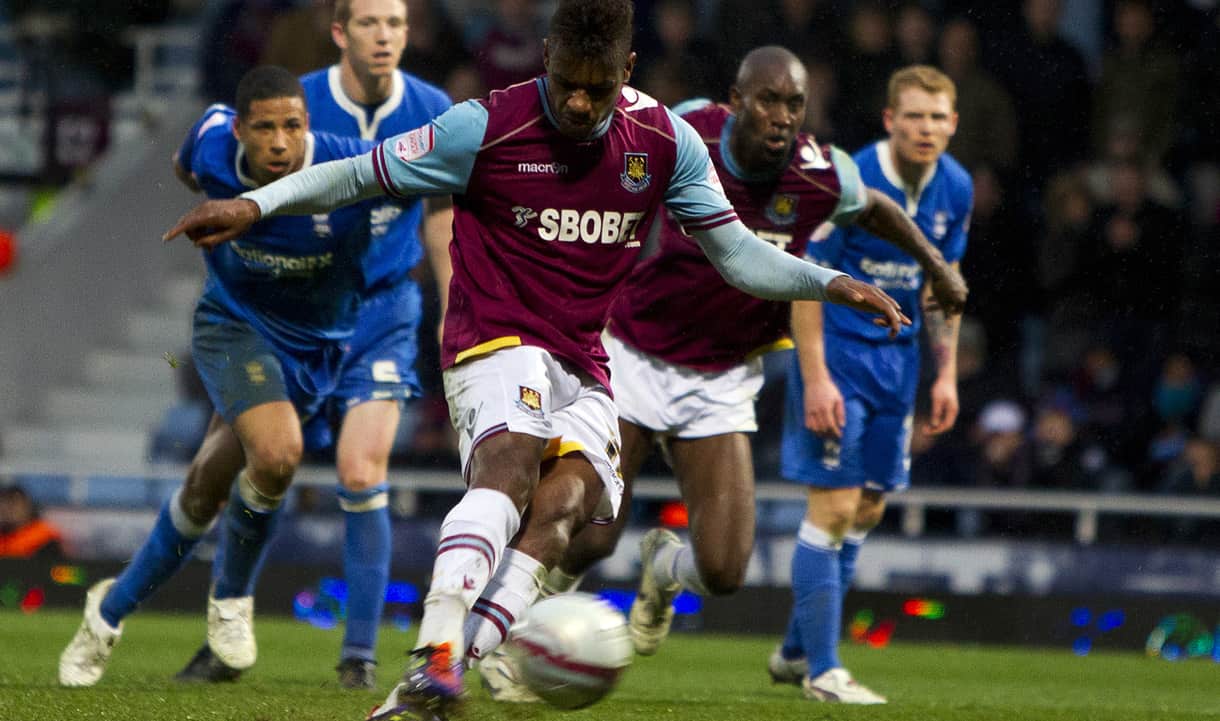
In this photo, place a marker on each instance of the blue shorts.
(878, 382)
(242, 368)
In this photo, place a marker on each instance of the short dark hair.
(264, 83)
(591, 29)
(343, 11)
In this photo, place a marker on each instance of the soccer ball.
(572, 647)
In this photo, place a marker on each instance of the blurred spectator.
(234, 42)
(1178, 391)
(1139, 80)
(464, 83)
(1175, 399)
(863, 71)
(511, 50)
(987, 124)
(1123, 143)
(1049, 85)
(673, 64)
(23, 532)
(1209, 415)
(1070, 218)
(299, 39)
(1131, 270)
(434, 45)
(1100, 388)
(998, 267)
(806, 27)
(822, 92)
(1196, 472)
(1003, 458)
(1062, 458)
(915, 36)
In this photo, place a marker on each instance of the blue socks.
(173, 538)
(818, 603)
(366, 567)
(244, 533)
(847, 558)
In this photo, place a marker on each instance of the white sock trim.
(255, 498)
(182, 522)
(558, 581)
(375, 502)
(686, 571)
(815, 537)
(855, 537)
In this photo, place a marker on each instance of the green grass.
(693, 678)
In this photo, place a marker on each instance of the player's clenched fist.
(848, 291)
(216, 221)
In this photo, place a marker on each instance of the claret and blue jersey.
(940, 206)
(547, 228)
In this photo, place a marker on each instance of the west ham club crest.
(635, 177)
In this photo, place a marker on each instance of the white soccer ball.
(573, 647)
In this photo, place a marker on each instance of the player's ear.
(546, 54)
(629, 67)
(236, 127)
(338, 36)
(736, 100)
(952, 124)
(887, 118)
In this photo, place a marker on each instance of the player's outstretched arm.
(867, 297)
(883, 218)
(213, 222)
(757, 267)
(319, 189)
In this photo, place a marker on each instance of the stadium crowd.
(1088, 355)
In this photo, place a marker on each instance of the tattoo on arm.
(942, 334)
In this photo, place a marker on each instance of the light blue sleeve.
(759, 268)
(694, 194)
(853, 195)
(433, 159)
(690, 106)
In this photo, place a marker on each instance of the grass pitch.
(692, 678)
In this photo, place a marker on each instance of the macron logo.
(546, 168)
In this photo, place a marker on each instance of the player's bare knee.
(360, 476)
(274, 463)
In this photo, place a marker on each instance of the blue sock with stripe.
(818, 599)
(167, 548)
(366, 567)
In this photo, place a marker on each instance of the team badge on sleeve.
(414, 144)
(635, 177)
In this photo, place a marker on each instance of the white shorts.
(527, 390)
(681, 402)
